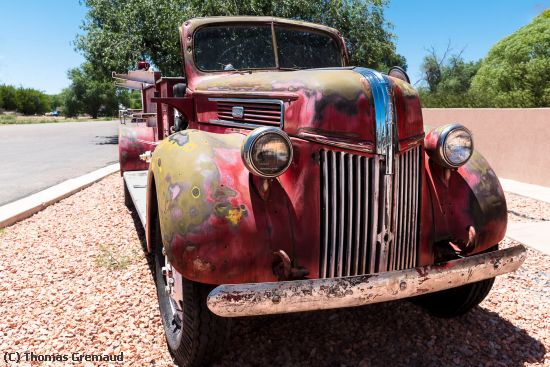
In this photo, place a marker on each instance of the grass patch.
(8, 119)
(13, 119)
(2, 231)
(112, 259)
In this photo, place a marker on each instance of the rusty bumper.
(251, 299)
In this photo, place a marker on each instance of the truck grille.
(407, 186)
(256, 112)
(352, 204)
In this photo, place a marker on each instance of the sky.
(470, 26)
(36, 36)
(36, 42)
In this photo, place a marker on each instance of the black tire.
(127, 197)
(198, 339)
(456, 301)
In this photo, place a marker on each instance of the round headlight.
(458, 147)
(449, 145)
(267, 152)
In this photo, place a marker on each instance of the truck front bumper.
(251, 299)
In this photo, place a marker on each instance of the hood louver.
(249, 112)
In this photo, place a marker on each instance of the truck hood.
(334, 105)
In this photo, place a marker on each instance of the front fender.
(205, 202)
(468, 197)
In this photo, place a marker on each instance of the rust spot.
(202, 265)
(234, 297)
(422, 272)
(224, 193)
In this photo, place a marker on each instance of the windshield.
(238, 47)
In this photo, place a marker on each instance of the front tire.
(195, 336)
(457, 301)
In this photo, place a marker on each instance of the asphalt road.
(36, 156)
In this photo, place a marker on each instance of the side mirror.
(399, 73)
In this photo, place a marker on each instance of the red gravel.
(61, 292)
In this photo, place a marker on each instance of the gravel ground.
(523, 209)
(73, 278)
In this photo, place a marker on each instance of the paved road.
(36, 156)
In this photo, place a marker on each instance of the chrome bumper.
(251, 299)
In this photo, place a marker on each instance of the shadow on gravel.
(388, 334)
(107, 140)
(141, 235)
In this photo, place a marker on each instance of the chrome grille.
(351, 207)
(256, 112)
(407, 188)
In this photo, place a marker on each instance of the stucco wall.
(515, 141)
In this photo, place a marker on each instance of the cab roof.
(195, 23)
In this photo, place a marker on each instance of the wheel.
(195, 336)
(456, 301)
(127, 197)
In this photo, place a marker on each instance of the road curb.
(32, 204)
(536, 192)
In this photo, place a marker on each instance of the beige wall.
(515, 141)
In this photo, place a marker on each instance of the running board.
(136, 182)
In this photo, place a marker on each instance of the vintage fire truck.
(273, 177)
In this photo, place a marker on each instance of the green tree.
(89, 93)
(130, 98)
(31, 101)
(448, 80)
(56, 101)
(516, 72)
(70, 106)
(118, 33)
(9, 97)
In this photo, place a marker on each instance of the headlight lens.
(458, 147)
(267, 152)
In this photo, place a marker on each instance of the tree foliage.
(448, 80)
(118, 33)
(56, 101)
(32, 102)
(27, 101)
(89, 93)
(8, 95)
(516, 72)
(132, 99)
